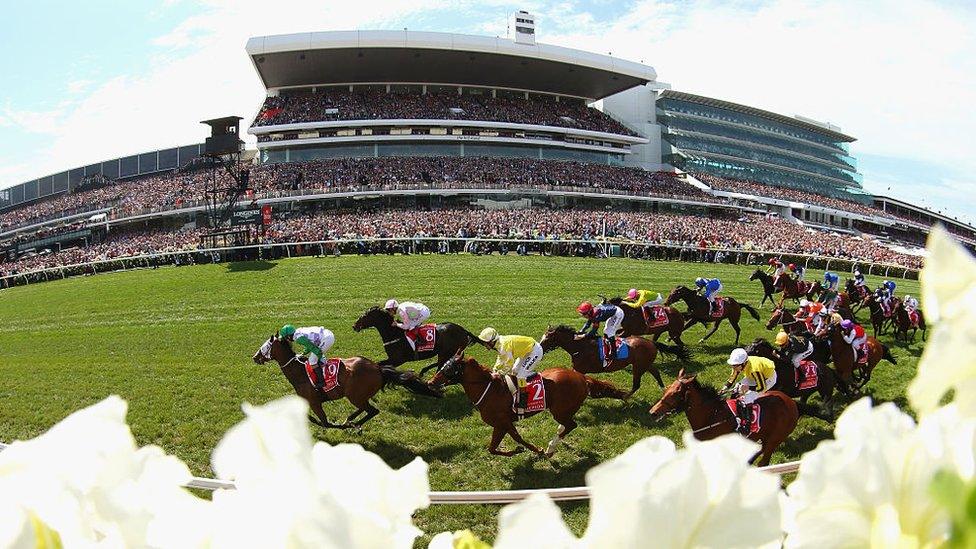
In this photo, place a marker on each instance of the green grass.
(176, 343)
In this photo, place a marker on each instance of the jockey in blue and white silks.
(711, 286)
(831, 282)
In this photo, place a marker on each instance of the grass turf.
(176, 343)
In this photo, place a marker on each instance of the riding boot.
(745, 418)
(523, 400)
(609, 352)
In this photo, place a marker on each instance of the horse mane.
(563, 328)
(710, 393)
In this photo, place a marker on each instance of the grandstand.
(376, 124)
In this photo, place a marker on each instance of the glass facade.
(727, 142)
(314, 152)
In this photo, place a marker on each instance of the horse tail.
(752, 311)
(407, 380)
(601, 389)
(886, 354)
(677, 350)
(471, 337)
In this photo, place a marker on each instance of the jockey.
(758, 376)
(796, 348)
(412, 315)
(911, 304)
(854, 335)
(803, 312)
(886, 292)
(778, 269)
(314, 341)
(517, 355)
(711, 286)
(611, 314)
(859, 278)
(829, 295)
(798, 270)
(641, 298)
(814, 317)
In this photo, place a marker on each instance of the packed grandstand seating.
(446, 104)
(745, 233)
(761, 189)
(176, 189)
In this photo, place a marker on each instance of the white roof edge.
(259, 45)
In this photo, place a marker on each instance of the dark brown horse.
(710, 417)
(856, 295)
(786, 381)
(769, 289)
(784, 319)
(565, 392)
(853, 376)
(450, 339)
(698, 310)
(635, 323)
(584, 352)
(903, 323)
(878, 319)
(359, 379)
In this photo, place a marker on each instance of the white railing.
(496, 497)
(605, 247)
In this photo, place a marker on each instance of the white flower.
(290, 493)
(949, 300)
(533, 522)
(85, 482)
(705, 495)
(871, 484)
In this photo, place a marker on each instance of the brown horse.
(878, 318)
(710, 417)
(852, 376)
(565, 392)
(769, 289)
(903, 323)
(584, 353)
(359, 379)
(698, 311)
(635, 323)
(857, 295)
(784, 319)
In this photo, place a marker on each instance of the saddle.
(325, 377)
(719, 310)
(534, 393)
(655, 316)
(806, 375)
(914, 318)
(422, 338)
(621, 350)
(747, 414)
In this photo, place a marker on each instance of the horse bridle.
(267, 355)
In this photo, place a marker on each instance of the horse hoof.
(517, 450)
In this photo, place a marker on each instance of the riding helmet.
(738, 356)
(782, 338)
(286, 331)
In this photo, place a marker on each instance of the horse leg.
(371, 412)
(563, 430)
(425, 369)
(712, 331)
(513, 432)
(497, 434)
(636, 383)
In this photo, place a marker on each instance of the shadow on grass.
(454, 405)
(541, 472)
(797, 446)
(250, 266)
(397, 456)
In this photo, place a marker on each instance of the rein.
(716, 424)
(484, 394)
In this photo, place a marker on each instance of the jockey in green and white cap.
(314, 341)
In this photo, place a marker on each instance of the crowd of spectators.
(445, 104)
(178, 188)
(751, 233)
(793, 195)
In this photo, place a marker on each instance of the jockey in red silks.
(855, 336)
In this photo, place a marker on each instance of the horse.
(710, 417)
(359, 379)
(878, 318)
(786, 381)
(785, 320)
(857, 295)
(769, 289)
(902, 323)
(698, 310)
(851, 376)
(636, 324)
(584, 353)
(565, 392)
(450, 339)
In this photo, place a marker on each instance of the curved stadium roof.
(346, 57)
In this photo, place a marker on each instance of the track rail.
(496, 497)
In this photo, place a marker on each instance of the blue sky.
(87, 81)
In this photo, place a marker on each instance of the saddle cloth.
(325, 375)
(719, 307)
(809, 369)
(535, 393)
(655, 316)
(914, 317)
(622, 352)
(423, 338)
(754, 408)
